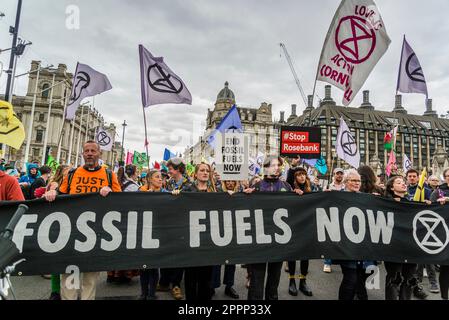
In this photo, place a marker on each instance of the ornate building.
(424, 139)
(72, 134)
(257, 124)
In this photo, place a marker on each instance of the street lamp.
(124, 125)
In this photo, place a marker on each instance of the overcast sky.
(208, 42)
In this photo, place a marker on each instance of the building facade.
(63, 135)
(257, 124)
(423, 138)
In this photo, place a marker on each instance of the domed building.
(257, 123)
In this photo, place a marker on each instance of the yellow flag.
(420, 190)
(12, 132)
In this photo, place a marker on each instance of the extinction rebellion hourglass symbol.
(160, 81)
(361, 33)
(348, 144)
(103, 139)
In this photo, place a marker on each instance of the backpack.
(26, 190)
(127, 184)
(72, 173)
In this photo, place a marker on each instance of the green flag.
(190, 169)
(140, 159)
(51, 162)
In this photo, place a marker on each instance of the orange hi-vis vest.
(81, 181)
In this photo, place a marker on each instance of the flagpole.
(87, 123)
(400, 66)
(329, 32)
(79, 137)
(72, 132)
(30, 128)
(47, 129)
(332, 168)
(58, 155)
(146, 136)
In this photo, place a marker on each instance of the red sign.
(295, 136)
(301, 148)
(303, 142)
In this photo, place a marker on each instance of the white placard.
(232, 156)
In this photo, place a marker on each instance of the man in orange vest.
(91, 178)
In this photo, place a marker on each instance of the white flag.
(104, 139)
(87, 82)
(159, 84)
(406, 163)
(253, 167)
(346, 146)
(355, 42)
(411, 76)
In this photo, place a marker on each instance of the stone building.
(72, 134)
(257, 124)
(423, 138)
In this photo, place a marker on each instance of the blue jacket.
(28, 178)
(411, 190)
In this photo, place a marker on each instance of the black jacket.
(442, 190)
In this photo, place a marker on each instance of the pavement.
(324, 286)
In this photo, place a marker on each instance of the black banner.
(146, 230)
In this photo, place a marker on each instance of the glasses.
(355, 181)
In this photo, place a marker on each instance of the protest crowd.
(345, 62)
(278, 175)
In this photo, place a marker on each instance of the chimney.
(309, 101)
(366, 103)
(282, 120)
(366, 96)
(294, 110)
(398, 105)
(328, 92)
(429, 109)
(429, 105)
(328, 97)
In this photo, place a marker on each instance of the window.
(45, 91)
(334, 132)
(426, 124)
(36, 152)
(39, 135)
(393, 121)
(41, 117)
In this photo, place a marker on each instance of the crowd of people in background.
(402, 280)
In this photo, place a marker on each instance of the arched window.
(45, 91)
